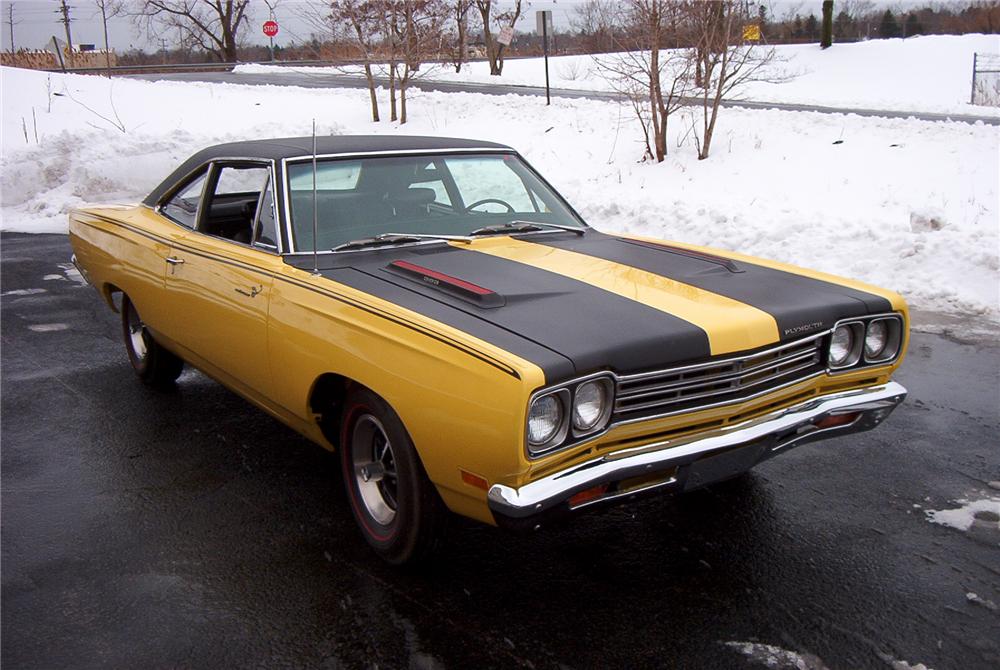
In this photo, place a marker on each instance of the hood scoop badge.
(453, 286)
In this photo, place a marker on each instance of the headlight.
(591, 404)
(545, 417)
(876, 339)
(841, 345)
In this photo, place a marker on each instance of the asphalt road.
(144, 529)
(306, 79)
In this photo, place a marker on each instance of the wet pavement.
(144, 529)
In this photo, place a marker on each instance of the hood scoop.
(452, 286)
(726, 263)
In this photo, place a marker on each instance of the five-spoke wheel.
(395, 504)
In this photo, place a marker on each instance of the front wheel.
(395, 504)
(155, 365)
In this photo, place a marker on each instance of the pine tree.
(913, 26)
(844, 26)
(889, 27)
(812, 27)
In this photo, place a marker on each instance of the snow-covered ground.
(919, 74)
(906, 204)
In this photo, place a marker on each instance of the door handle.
(173, 262)
(252, 292)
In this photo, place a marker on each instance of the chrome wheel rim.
(137, 334)
(374, 468)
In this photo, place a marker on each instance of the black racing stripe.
(798, 304)
(563, 325)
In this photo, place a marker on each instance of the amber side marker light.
(475, 480)
(837, 420)
(588, 495)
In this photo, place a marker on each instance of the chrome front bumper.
(693, 461)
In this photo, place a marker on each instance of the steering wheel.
(484, 201)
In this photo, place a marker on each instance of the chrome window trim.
(209, 166)
(176, 188)
(287, 207)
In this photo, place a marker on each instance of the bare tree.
(597, 22)
(108, 9)
(356, 22)
(653, 80)
(460, 13)
(727, 61)
(494, 49)
(212, 25)
(414, 34)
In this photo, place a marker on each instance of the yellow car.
(436, 312)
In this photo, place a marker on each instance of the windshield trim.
(286, 205)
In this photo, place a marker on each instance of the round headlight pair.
(878, 340)
(586, 410)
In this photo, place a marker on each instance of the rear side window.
(183, 207)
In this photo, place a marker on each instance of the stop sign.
(270, 28)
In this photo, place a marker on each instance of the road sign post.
(544, 20)
(270, 29)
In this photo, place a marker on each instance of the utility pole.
(10, 22)
(65, 20)
(163, 48)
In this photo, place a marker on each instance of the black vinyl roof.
(289, 147)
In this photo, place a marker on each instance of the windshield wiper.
(396, 238)
(524, 227)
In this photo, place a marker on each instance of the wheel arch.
(108, 292)
(326, 401)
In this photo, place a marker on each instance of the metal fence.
(985, 80)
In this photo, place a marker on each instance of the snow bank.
(964, 516)
(919, 74)
(905, 204)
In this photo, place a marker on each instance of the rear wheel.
(155, 365)
(395, 504)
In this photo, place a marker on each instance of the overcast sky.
(36, 21)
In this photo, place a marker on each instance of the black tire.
(152, 363)
(395, 505)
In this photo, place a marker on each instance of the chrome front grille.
(717, 382)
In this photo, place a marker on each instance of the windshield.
(426, 195)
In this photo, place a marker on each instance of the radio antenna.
(315, 210)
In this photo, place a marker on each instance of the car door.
(219, 276)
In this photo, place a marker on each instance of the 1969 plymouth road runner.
(434, 311)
